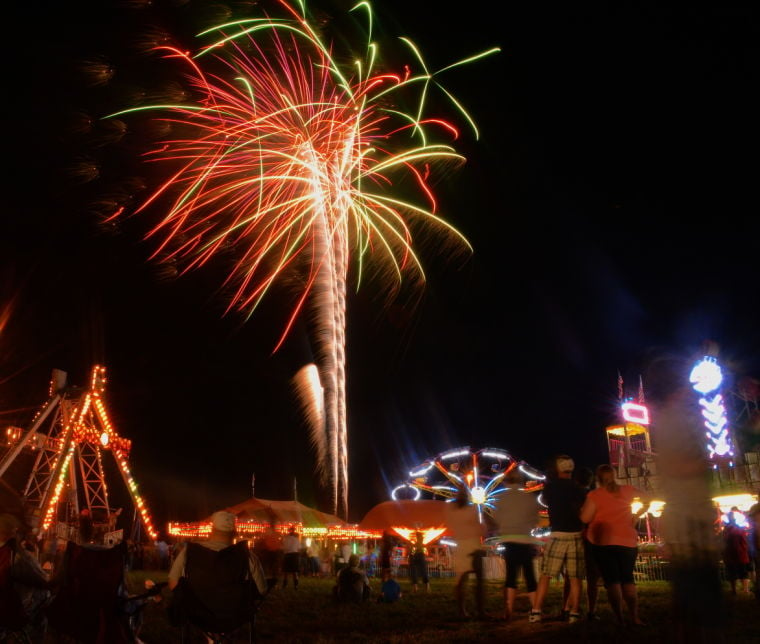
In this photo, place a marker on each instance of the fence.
(648, 567)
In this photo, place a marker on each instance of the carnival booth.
(323, 536)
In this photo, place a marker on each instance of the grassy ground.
(309, 615)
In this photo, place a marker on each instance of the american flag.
(620, 386)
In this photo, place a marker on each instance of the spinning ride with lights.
(67, 441)
(478, 474)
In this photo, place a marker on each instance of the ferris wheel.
(477, 473)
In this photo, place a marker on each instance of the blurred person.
(516, 516)
(563, 554)
(345, 553)
(325, 560)
(418, 568)
(736, 558)
(25, 589)
(291, 546)
(614, 540)
(388, 543)
(352, 584)
(753, 543)
(390, 590)
(162, 553)
(584, 477)
(314, 563)
(369, 561)
(467, 558)
(268, 548)
(86, 527)
(304, 563)
(687, 520)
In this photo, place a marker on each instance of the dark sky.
(611, 204)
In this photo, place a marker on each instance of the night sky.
(611, 204)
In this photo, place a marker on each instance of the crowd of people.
(593, 538)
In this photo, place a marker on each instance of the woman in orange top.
(613, 537)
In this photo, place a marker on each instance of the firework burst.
(292, 161)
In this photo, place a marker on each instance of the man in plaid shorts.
(564, 551)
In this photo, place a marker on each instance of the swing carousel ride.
(477, 473)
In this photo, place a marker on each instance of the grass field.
(310, 615)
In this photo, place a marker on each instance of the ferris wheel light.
(104, 439)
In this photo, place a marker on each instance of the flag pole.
(626, 443)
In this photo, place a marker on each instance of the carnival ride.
(476, 473)
(734, 472)
(66, 443)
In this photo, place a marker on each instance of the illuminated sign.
(706, 378)
(635, 413)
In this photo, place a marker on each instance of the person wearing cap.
(564, 552)
(222, 536)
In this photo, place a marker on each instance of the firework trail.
(311, 396)
(290, 161)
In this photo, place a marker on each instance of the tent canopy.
(424, 513)
(283, 512)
